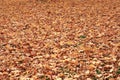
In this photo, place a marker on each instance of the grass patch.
(118, 71)
(98, 71)
(82, 37)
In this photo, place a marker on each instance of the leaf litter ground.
(60, 40)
